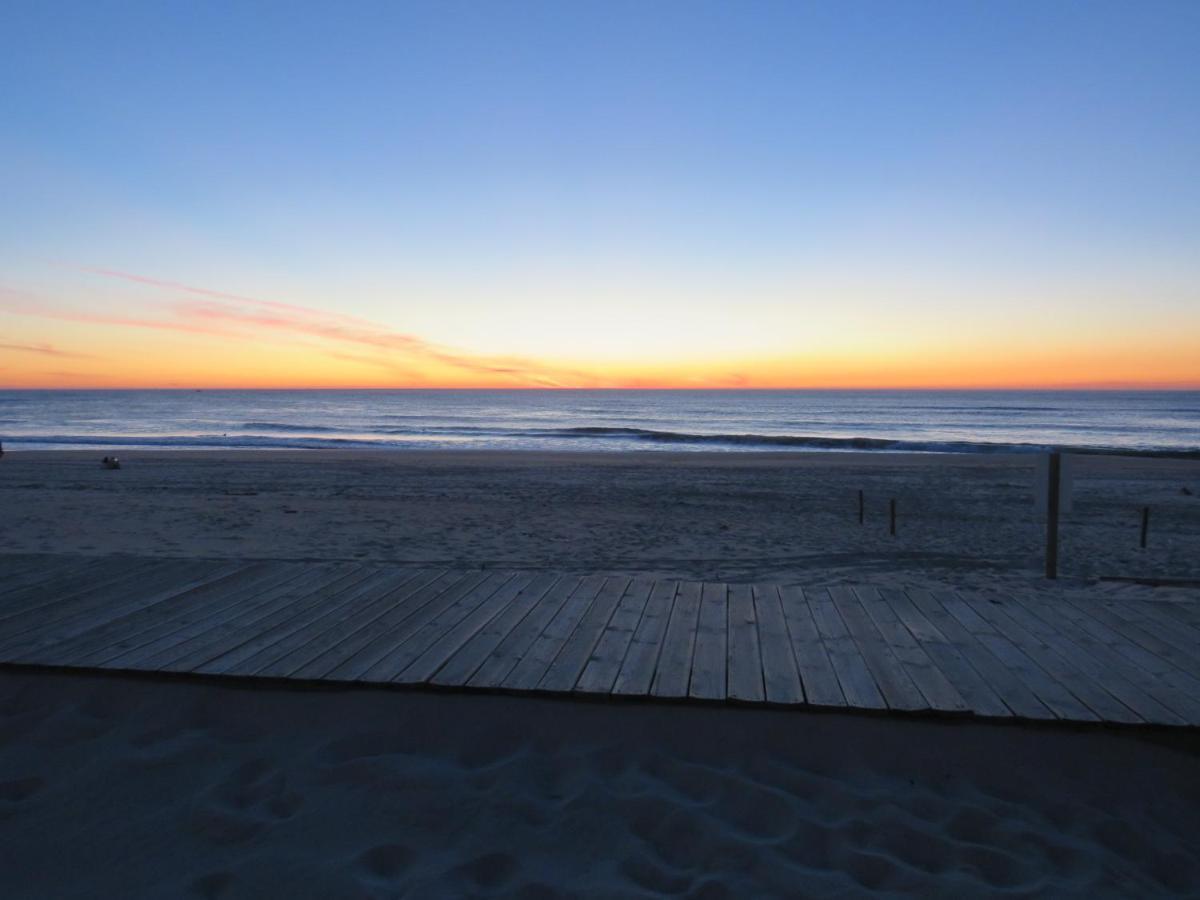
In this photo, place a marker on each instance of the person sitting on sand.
(110, 462)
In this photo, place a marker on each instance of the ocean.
(1143, 422)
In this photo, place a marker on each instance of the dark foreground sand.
(125, 788)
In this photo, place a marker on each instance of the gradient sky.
(792, 194)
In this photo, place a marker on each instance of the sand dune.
(116, 787)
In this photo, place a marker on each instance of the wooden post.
(1145, 524)
(1052, 483)
(860, 507)
(892, 523)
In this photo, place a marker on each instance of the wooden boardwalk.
(880, 649)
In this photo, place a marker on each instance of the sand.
(118, 787)
(130, 788)
(968, 520)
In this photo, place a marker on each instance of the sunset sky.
(605, 194)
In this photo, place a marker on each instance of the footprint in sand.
(385, 864)
(14, 794)
(490, 870)
(254, 797)
(18, 790)
(213, 885)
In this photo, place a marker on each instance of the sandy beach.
(142, 787)
(966, 519)
(115, 787)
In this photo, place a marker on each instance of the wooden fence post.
(1052, 490)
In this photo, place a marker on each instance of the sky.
(600, 194)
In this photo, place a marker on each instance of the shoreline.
(640, 454)
(715, 444)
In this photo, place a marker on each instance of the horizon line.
(1162, 386)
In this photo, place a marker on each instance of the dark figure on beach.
(110, 462)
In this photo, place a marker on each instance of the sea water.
(1152, 422)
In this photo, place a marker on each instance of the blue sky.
(506, 177)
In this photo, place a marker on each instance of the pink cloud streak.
(43, 350)
(230, 315)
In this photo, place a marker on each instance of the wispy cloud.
(226, 314)
(42, 350)
(203, 292)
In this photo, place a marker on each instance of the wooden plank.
(1166, 642)
(1057, 698)
(853, 674)
(1174, 686)
(1057, 665)
(501, 661)
(1130, 684)
(891, 677)
(69, 620)
(321, 636)
(16, 564)
(781, 678)
(346, 653)
(1015, 692)
(1185, 611)
(209, 640)
(414, 644)
(818, 678)
(41, 604)
(221, 644)
(452, 639)
(563, 673)
(465, 661)
(42, 575)
(54, 589)
(1177, 639)
(393, 631)
(744, 665)
(378, 589)
(712, 635)
(144, 626)
(253, 655)
(77, 571)
(600, 673)
(529, 671)
(1111, 660)
(641, 658)
(1172, 608)
(935, 687)
(949, 654)
(674, 670)
(34, 603)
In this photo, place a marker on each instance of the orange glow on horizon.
(196, 364)
(191, 337)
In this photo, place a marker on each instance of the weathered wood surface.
(881, 649)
